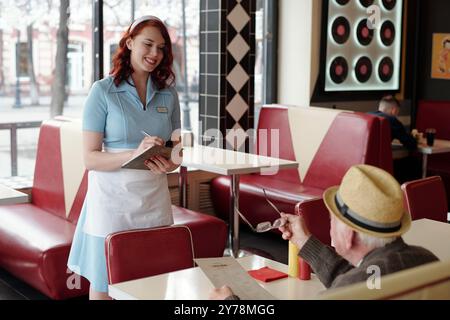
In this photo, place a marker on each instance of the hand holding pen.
(169, 143)
(156, 164)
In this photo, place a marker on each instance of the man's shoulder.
(389, 259)
(398, 256)
(383, 115)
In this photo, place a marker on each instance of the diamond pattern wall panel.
(226, 69)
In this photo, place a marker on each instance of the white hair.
(373, 242)
(365, 239)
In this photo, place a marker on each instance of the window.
(265, 56)
(22, 63)
(23, 89)
(26, 76)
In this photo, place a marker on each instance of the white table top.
(192, 284)
(11, 196)
(432, 235)
(227, 162)
(440, 146)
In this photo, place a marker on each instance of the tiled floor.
(269, 245)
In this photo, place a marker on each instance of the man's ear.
(350, 238)
(129, 43)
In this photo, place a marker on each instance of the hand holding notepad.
(138, 161)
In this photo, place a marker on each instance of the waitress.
(138, 96)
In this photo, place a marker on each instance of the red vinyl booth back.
(425, 198)
(143, 253)
(436, 114)
(353, 138)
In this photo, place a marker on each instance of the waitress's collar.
(128, 86)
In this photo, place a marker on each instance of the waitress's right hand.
(146, 143)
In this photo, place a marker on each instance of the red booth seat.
(351, 138)
(35, 238)
(436, 114)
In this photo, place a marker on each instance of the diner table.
(11, 196)
(440, 146)
(193, 284)
(233, 164)
(432, 235)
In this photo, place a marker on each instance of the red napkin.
(267, 274)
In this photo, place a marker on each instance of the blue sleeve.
(176, 121)
(95, 110)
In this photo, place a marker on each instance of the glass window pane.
(28, 67)
(259, 58)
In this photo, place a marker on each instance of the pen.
(168, 143)
(145, 133)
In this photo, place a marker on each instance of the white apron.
(126, 199)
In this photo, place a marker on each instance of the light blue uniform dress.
(124, 199)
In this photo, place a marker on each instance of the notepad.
(138, 161)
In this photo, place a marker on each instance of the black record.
(389, 4)
(364, 33)
(387, 33)
(366, 3)
(342, 2)
(340, 30)
(363, 69)
(339, 70)
(386, 69)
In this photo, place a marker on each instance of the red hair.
(163, 76)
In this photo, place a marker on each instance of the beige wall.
(299, 50)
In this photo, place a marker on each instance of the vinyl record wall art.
(361, 56)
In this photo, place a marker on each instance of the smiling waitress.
(139, 95)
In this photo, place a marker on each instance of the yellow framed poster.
(440, 64)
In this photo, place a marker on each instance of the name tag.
(162, 109)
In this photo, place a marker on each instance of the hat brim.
(328, 198)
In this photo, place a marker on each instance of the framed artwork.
(440, 63)
(360, 49)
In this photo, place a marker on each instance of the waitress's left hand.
(159, 164)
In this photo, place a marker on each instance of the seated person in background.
(389, 108)
(367, 221)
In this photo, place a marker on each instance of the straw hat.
(369, 200)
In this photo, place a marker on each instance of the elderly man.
(367, 221)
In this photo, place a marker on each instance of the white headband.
(142, 19)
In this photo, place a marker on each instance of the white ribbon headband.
(142, 19)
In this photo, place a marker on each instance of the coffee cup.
(431, 135)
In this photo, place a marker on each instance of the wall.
(299, 58)
(434, 19)
(298, 52)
